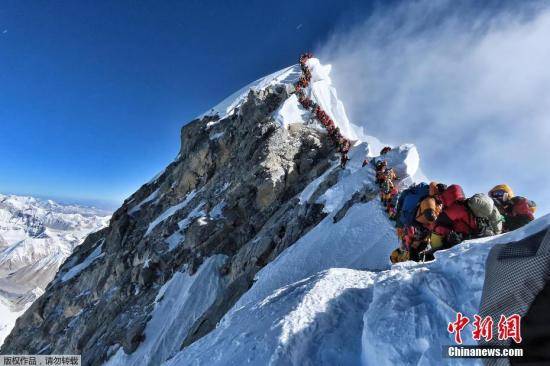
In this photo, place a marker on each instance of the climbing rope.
(342, 143)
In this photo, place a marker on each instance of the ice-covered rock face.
(231, 193)
(35, 238)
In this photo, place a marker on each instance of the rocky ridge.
(231, 193)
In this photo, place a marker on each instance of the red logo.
(482, 328)
(508, 327)
(457, 326)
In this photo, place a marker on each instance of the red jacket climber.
(455, 218)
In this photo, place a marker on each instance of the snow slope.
(226, 107)
(37, 236)
(343, 316)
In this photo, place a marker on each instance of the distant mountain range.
(35, 238)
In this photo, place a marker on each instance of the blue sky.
(93, 93)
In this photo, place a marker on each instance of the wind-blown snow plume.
(445, 75)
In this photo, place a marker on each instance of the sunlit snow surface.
(226, 107)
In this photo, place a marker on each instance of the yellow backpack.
(436, 241)
(399, 255)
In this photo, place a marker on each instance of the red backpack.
(463, 220)
(523, 206)
(452, 194)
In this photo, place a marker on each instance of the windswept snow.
(151, 197)
(170, 211)
(75, 270)
(225, 108)
(324, 94)
(306, 194)
(291, 111)
(180, 302)
(179, 236)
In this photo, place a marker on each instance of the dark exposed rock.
(240, 188)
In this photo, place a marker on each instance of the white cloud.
(469, 86)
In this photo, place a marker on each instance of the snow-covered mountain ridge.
(255, 247)
(35, 238)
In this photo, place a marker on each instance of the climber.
(387, 188)
(392, 206)
(517, 211)
(489, 219)
(415, 240)
(365, 162)
(413, 236)
(456, 222)
(408, 202)
(436, 189)
(385, 150)
(384, 175)
(380, 171)
(347, 145)
(344, 160)
(428, 212)
(418, 232)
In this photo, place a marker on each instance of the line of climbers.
(434, 216)
(333, 131)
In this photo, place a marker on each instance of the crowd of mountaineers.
(434, 216)
(342, 143)
(428, 216)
